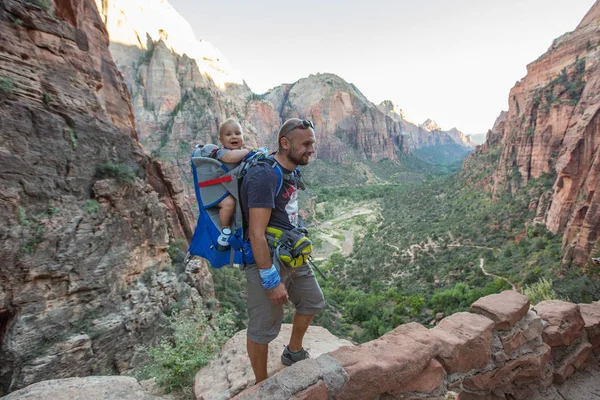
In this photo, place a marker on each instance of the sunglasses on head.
(304, 124)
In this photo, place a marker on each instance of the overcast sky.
(450, 60)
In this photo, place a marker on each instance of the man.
(268, 288)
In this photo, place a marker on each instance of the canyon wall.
(183, 88)
(87, 217)
(552, 131)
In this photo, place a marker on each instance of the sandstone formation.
(90, 388)
(552, 131)
(181, 90)
(86, 216)
(426, 134)
(467, 356)
(230, 373)
(348, 125)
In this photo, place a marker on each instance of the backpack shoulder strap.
(278, 171)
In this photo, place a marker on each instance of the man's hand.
(278, 295)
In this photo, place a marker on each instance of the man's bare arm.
(258, 219)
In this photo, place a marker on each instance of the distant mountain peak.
(388, 107)
(430, 125)
(129, 20)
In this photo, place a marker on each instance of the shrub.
(43, 4)
(177, 250)
(195, 339)
(530, 130)
(73, 138)
(118, 171)
(91, 207)
(7, 86)
(540, 291)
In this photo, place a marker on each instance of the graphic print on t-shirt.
(292, 206)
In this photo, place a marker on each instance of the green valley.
(405, 241)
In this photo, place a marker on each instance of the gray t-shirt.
(220, 153)
(258, 191)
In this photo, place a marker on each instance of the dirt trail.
(476, 247)
(514, 287)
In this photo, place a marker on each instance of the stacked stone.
(501, 348)
(566, 335)
(519, 357)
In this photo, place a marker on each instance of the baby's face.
(231, 137)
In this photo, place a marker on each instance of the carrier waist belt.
(294, 245)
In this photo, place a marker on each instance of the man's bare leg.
(258, 354)
(299, 327)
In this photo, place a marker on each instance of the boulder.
(230, 373)
(387, 364)
(301, 379)
(565, 323)
(89, 388)
(318, 391)
(427, 381)
(505, 309)
(466, 341)
(591, 318)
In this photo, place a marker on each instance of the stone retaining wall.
(502, 347)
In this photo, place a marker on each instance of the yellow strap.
(274, 232)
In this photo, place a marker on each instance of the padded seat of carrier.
(209, 169)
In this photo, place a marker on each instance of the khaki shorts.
(264, 318)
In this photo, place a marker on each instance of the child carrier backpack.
(213, 181)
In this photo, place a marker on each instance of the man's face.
(302, 146)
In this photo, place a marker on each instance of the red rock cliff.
(552, 129)
(85, 273)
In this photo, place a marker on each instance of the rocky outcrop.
(231, 373)
(86, 216)
(90, 388)
(182, 89)
(552, 131)
(501, 350)
(348, 125)
(427, 134)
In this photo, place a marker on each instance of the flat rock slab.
(89, 388)
(466, 340)
(231, 372)
(591, 318)
(565, 324)
(505, 309)
(387, 364)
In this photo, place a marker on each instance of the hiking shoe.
(289, 357)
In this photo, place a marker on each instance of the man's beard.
(298, 159)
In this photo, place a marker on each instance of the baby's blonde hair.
(227, 122)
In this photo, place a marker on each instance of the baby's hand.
(263, 150)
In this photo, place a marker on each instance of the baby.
(232, 152)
